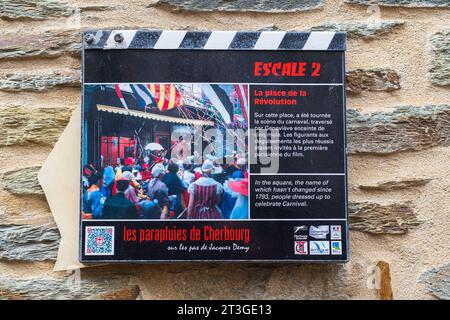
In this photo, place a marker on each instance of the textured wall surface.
(398, 73)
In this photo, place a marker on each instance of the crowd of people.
(166, 189)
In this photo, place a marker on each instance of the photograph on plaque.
(213, 146)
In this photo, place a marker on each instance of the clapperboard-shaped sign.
(213, 146)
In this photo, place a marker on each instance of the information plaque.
(213, 146)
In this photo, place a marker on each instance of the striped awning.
(153, 116)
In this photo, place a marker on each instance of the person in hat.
(156, 183)
(188, 176)
(88, 170)
(241, 166)
(137, 174)
(157, 158)
(108, 181)
(229, 198)
(129, 164)
(131, 192)
(146, 173)
(118, 171)
(240, 210)
(205, 194)
(172, 180)
(131, 174)
(93, 199)
(118, 206)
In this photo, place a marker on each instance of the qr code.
(99, 241)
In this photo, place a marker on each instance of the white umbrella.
(153, 146)
(182, 131)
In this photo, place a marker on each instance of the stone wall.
(398, 74)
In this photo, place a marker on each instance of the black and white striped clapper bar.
(214, 40)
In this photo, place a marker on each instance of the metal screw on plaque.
(118, 37)
(89, 38)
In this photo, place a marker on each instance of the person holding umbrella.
(156, 152)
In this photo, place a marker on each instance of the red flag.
(242, 93)
(119, 94)
(167, 96)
